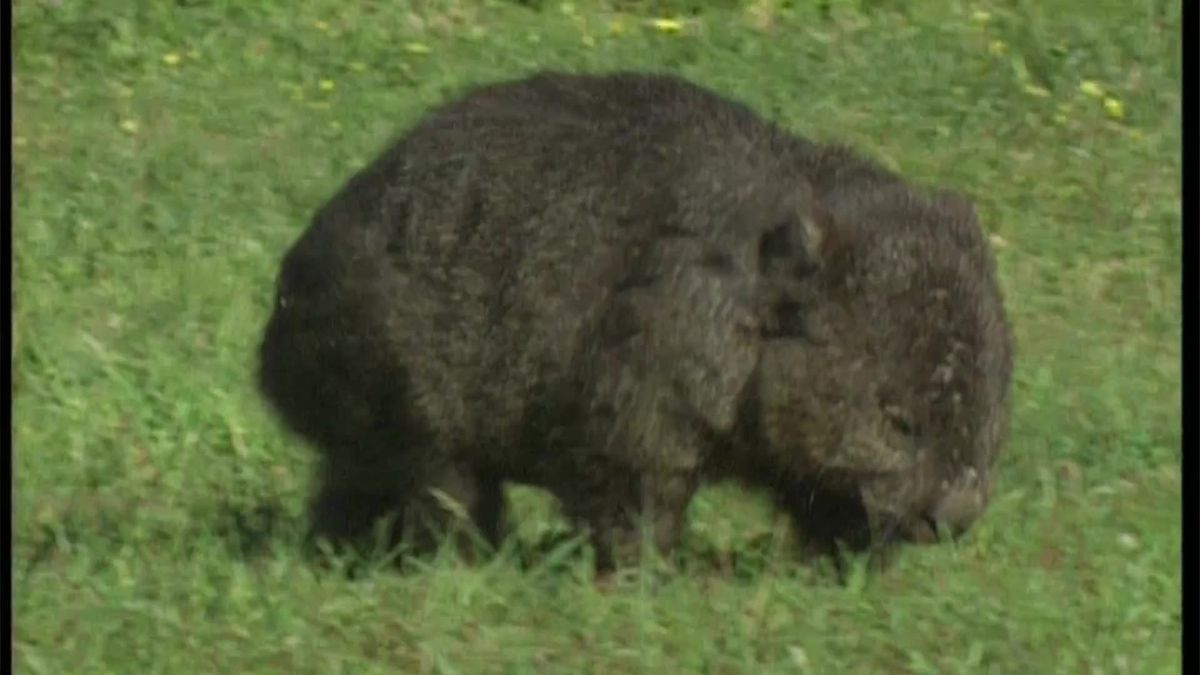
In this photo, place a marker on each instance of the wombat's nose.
(961, 506)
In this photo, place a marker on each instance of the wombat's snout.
(961, 505)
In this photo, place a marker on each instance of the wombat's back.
(468, 270)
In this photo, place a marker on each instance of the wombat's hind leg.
(362, 500)
(349, 517)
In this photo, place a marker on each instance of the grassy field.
(166, 153)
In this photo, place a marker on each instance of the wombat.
(619, 287)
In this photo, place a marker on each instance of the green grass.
(165, 154)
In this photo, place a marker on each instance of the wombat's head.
(891, 386)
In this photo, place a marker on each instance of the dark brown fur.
(618, 287)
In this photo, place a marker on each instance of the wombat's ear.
(793, 246)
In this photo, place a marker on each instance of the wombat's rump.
(615, 287)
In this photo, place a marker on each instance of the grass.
(165, 154)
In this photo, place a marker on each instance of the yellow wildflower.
(171, 58)
(1034, 90)
(1114, 108)
(325, 85)
(1091, 88)
(129, 126)
(667, 25)
(1064, 113)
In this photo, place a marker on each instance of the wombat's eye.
(900, 420)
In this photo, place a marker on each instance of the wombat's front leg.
(827, 522)
(633, 487)
(633, 510)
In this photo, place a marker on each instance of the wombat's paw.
(606, 581)
(629, 576)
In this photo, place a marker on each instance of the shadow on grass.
(58, 527)
(250, 530)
